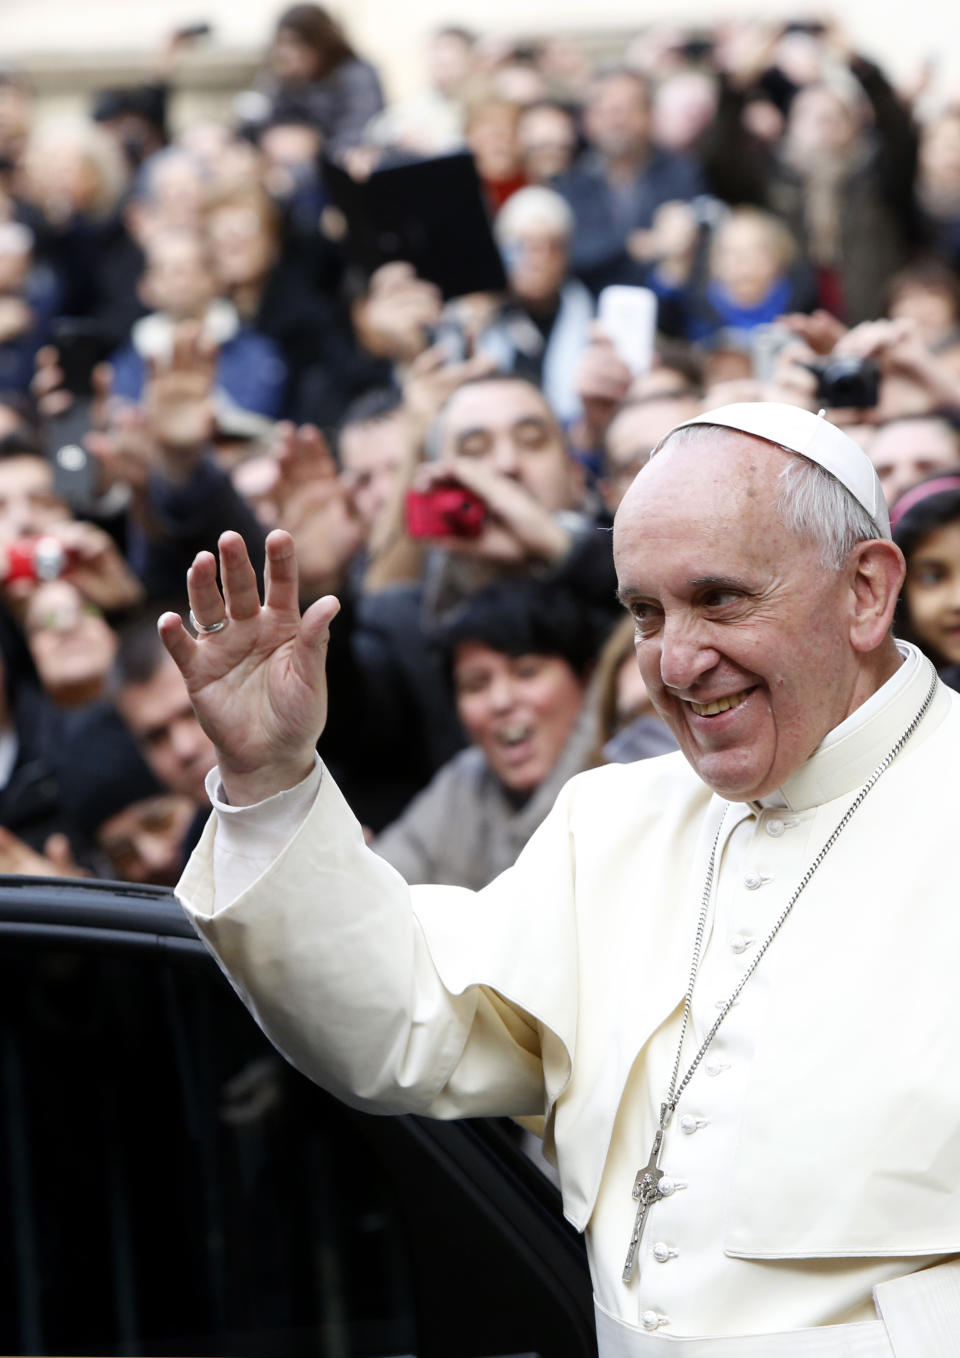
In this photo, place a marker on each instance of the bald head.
(751, 648)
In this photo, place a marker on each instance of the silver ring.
(206, 629)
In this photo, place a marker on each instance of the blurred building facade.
(71, 49)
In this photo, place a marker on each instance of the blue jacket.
(250, 369)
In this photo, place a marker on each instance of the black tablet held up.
(430, 213)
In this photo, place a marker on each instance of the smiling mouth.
(514, 735)
(720, 704)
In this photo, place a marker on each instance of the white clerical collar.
(848, 754)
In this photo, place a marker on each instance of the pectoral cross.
(646, 1191)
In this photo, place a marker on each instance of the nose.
(505, 459)
(501, 694)
(187, 739)
(687, 652)
(20, 520)
(156, 853)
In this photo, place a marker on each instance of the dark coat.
(598, 250)
(877, 225)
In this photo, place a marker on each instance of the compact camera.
(35, 560)
(444, 512)
(847, 382)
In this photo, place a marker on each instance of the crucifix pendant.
(646, 1191)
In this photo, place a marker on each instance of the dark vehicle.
(169, 1185)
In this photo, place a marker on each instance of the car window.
(148, 1138)
(169, 1185)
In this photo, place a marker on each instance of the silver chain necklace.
(646, 1187)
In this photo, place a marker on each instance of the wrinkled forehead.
(699, 454)
(710, 476)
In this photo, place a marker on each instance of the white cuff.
(249, 838)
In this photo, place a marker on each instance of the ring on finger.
(206, 628)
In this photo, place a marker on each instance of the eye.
(718, 598)
(927, 573)
(646, 616)
(532, 434)
(527, 666)
(474, 445)
(471, 682)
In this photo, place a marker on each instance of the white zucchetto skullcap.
(813, 437)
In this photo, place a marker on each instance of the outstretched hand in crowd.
(255, 671)
(56, 859)
(312, 501)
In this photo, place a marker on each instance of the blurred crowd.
(189, 344)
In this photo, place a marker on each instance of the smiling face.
(932, 593)
(520, 710)
(742, 636)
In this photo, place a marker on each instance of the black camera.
(847, 382)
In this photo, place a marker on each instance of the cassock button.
(689, 1124)
(667, 1186)
(752, 881)
(739, 943)
(651, 1321)
(662, 1252)
(775, 828)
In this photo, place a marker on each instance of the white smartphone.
(629, 315)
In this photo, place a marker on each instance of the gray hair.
(537, 207)
(811, 501)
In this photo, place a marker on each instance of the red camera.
(35, 559)
(444, 512)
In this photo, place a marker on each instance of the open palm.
(257, 685)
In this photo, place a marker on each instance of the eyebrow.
(525, 421)
(717, 582)
(628, 592)
(472, 432)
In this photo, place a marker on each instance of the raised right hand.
(258, 685)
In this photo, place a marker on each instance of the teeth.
(720, 705)
(513, 735)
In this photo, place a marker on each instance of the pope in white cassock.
(726, 978)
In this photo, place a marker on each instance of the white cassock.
(815, 1154)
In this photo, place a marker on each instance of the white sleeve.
(392, 998)
(249, 838)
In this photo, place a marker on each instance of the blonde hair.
(603, 686)
(779, 234)
(93, 144)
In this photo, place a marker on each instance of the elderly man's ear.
(877, 571)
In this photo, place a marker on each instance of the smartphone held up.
(629, 316)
